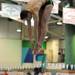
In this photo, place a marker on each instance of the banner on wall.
(55, 6)
(11, 11)
(69, 15)
(21, 0)
(27, 55)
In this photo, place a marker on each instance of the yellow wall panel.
(52, 50)
(10, 52)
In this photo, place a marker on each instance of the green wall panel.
(44, 44)
(69, 44)
(26, 43)
(73, 49)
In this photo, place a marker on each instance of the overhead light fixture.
(46, 37)
(59, 23)
(18, 30)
